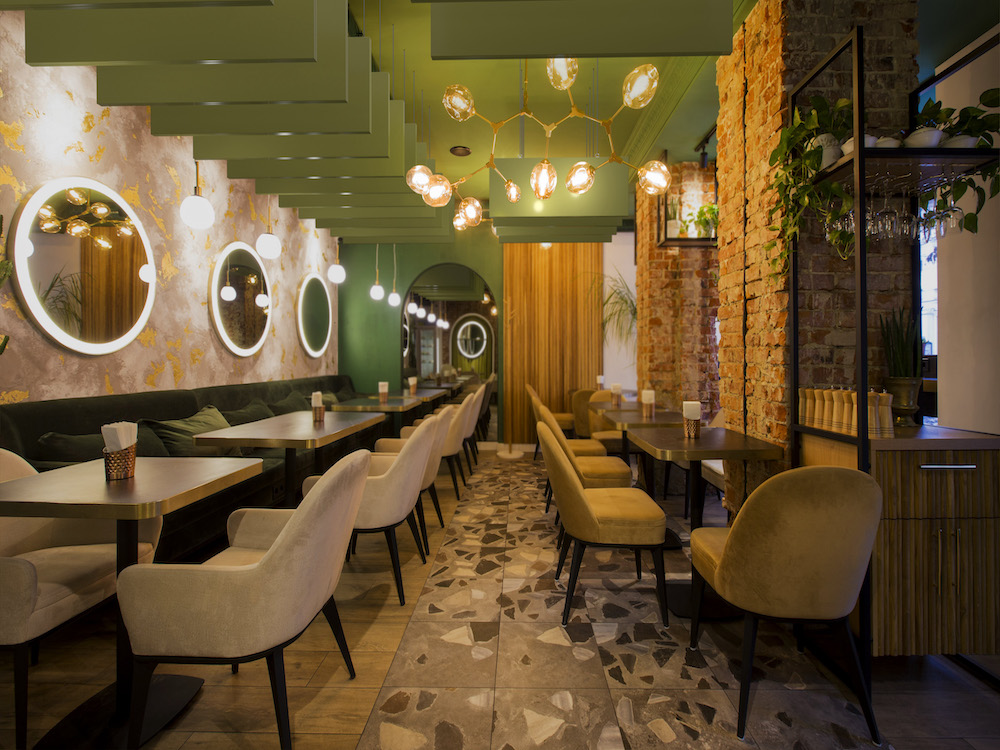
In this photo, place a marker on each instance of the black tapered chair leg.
(860, 687)
(574, 572)
(468, 459)
(142, 675)
(661, 584)
(276, 671)
(333, 618)
(411, 520)
(34, 652)
(638, 563)
(21, 658)
(454, 477)
(749, 641)
(461, 472)
(548, 496)
(538, 446)
(666, 478)
(475, 449)
(437, 505)
(697, 594)
(563, 544)
(556, 521)
(234, 667)
(799, 633)
(354, 542)
(561, 535)
(419, 508)
(397, 572)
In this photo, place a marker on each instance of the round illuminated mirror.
(240, 299)
(314, 314)
(84, 265)
(471, 339)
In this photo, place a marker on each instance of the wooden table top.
(293, 430)
(372, 404)
(160, 486)
(424, 394)
(630, 419)
(669, 444)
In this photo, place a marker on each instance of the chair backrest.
(389, 497)
(581, 412)
(800, 545)
(597, 422)
(473, 411)
(456, 432)
(546, 416)
(567, 489)
(300, 571)
(444, 417)
(27, 534)
(491, 385)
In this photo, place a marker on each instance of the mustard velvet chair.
(51, 570)
(798, 550)
(600, 429)
(580, 446)
(389, 446)
(593, 471)
(563, 419)
(581, 411)
(605, 517)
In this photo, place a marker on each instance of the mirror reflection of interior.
(452, 323)
(85, 269)
(241, 303)
(314, 315)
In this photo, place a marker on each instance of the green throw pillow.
(329, 399)
(294, 401)
(177, 434)
(252, 412)
(346, 394)
(55, 446)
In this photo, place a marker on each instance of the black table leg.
(127, 553)
(695, 490)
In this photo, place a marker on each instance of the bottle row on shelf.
(836, 410)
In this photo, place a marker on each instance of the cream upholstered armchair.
(395, 445)
(798, 550)
(469, 428)
(52, 569)
(251, 602)
(391, 493)
(454, 441)
(604, 517)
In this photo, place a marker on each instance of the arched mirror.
(240, 299)
(314, 315)
(84, 265)
(450, 312)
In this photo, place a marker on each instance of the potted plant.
(673, 218)
(619, 309)
(899, 338)
(973, 126)
(930, 120)
(707, 219)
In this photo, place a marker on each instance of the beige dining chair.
(469, 444)
(392, 446)
(604, 517)
(51, 570)
(252, 601)
(798, 550)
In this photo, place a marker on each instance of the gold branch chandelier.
(637, 91)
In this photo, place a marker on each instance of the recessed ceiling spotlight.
(460, 150)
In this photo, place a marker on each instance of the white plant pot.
(887, 141)
(848, 145)
(830, 156)
(961, 141)
(673, 228)
(924, 138)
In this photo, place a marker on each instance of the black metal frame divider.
(855, 166)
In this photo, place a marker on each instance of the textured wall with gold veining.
(51, 126)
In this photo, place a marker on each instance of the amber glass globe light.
(47, 212)
(418, 179)
(513, 191)
(50, 226)
(125, 229)
(472, 210)
(654, 177)
(580, 178)
(543, 179)
(76, 196)
(438, 191)
(100, 210)
(640, 86)
(459, 221)
(562, 71)
(78, 228)
(459, 103)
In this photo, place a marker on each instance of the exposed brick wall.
(780, 41)
(677, 299)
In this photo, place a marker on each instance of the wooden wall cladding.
(552, 328)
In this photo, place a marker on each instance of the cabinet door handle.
(958, 566)
(947, 467)
(940, 556)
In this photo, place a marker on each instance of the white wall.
(619, 359)
(968, 279)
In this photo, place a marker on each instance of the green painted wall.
(370, 333)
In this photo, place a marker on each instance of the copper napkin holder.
(119, 464)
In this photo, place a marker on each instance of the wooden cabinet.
(936, 560)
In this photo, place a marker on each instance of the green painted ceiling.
(284, 90)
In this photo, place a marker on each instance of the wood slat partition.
(552, 323)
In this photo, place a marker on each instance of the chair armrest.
(407, 431)
(256, 528)
(19, 594)
(380, 464)
(389, 445)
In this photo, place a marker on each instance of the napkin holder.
(692, 428)
(319, 414)
(119, 464)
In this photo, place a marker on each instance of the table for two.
(395, 405)
(160, 486)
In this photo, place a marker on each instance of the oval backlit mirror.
(240, 299)
(471, 338)
(314, 315)
(84, 265)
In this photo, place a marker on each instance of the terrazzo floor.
(478, 659)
